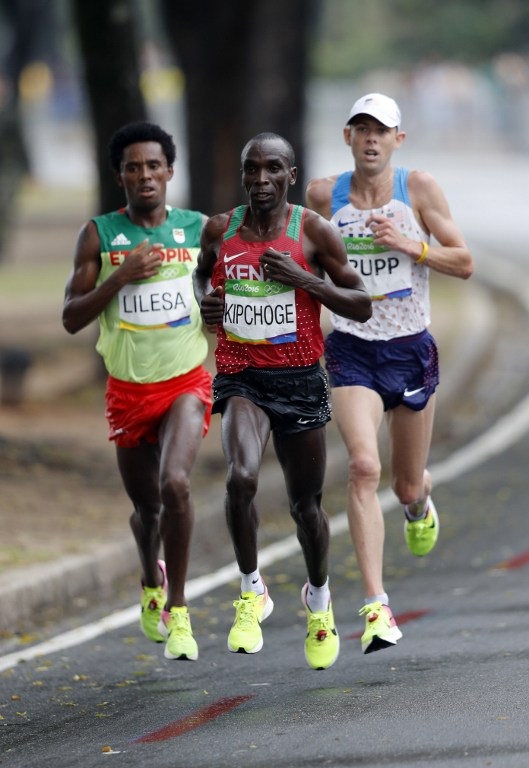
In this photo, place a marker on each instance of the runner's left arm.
(450, 254)
(211, 303)
(324, 249)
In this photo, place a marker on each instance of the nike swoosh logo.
(235, 255)
(411, 392)
(346, 223)
(306, 421)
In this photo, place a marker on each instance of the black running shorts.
(294, 399)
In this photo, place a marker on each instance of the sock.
(252, 582)
(318, 598)
(414, 517)
(383, 598)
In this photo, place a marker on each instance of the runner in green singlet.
(132, 272)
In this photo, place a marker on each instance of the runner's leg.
(180, 439)
(245, 430)
(139, 468)
(302, 457)
(358, 413)
(410, 437)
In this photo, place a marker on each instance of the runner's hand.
(281, 267)
(142, 262)
(384, 233)
(212, 309)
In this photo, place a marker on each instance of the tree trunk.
(110, 52)
(245, 65)
(19, 22)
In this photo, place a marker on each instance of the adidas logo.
(120, 240)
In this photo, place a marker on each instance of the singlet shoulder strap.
(293, 229)
(400, 185)
(236, 219)
(340, 191)
(296, 219)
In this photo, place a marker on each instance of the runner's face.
(267, 174)
(144, 175)
(372, 143)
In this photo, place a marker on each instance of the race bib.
(164, 302)
(259, 312)
(386, 274)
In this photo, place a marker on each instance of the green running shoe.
(152, 605)
(381, 628)
(421, 535)
(250, 610)
(322, 643)
(175, 625)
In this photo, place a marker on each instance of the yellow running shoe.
(175, 625)
(322, 643)
(381, 628)
(152, 604)
(421, 535)
(250, 610)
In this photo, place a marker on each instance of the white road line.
(498, 438)
(505, 432)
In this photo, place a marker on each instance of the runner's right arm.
(83, 301)
(211, 303)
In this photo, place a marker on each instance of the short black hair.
(132, 133)
(269, 136)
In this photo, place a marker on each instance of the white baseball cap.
(381, 107)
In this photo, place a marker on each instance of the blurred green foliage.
(357, 35)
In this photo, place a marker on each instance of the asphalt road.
(452, 693)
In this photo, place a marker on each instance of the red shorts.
(134, 411)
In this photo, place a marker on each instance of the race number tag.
(259, 312)
(161, 303)
(386, 274)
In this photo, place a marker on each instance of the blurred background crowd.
(215, 73)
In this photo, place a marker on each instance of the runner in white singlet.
(387, 366)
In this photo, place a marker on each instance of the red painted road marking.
(402, 618)
(518, 561)
(198, 718)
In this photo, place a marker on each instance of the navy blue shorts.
(404, 371)
(294, 399)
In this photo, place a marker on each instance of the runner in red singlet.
(260, 282)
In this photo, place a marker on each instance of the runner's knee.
(408, 492)
(364, 470)
(144, 516)
(241, 483)
(308, 515)
(175, 488)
